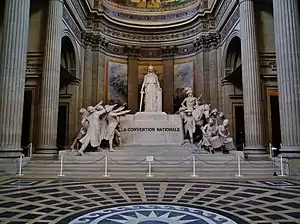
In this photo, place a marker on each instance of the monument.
(151, 126)
(194, 123)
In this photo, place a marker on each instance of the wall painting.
(184, 73)
(116, 82)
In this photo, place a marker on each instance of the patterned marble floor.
(62, 202)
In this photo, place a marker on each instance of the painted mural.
(183, 77)
(154, 4)
(117, 90)
(143, 69)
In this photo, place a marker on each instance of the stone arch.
(232, 52)
(71, 54)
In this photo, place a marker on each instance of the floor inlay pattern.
(62, 202)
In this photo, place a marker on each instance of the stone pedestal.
(151, 128)
(12, 75)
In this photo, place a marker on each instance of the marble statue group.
(203, 126)
(99, 123)
(211, 126)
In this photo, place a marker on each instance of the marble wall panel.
(116, 86)
(184, 73)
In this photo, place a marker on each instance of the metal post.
(270, 148)
(194, 167)
(281, 167)
(105, 168)
(149, 169)
(30, 150)
(20, 166)
(239, 166)
(61, 166)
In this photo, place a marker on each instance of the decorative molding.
(71, 23)
(230, 23)
(223, 7)
(79, 10)
(161, 17)
(210, 41)
(168, 51)
(130, 36)
(132, 51)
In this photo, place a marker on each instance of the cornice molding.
(97, 42)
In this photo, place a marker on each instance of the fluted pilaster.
(12, 75)
(251, 79)
(287, 40)
(49, 100)
(213, 78)
(87, 77)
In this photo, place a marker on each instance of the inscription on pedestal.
(146, 129)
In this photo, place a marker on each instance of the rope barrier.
(132, 164)
(161, 162)
(87, 162)
(215, 163)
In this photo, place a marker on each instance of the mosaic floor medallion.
(154, 214)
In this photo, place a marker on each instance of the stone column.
(287, 40)
(133, 79)
(12, 75)
(88, 71)
(251, 80)
(213, 71)
(49, 99)
(168, 79)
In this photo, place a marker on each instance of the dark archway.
(233, 76)
(67, 76)
(233, 62)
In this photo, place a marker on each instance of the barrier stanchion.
(20, 166)
(194, 167)
(61, 166)
(270, 148)
(281, 167)
(105, 168)
(149, 159)
(239, 166)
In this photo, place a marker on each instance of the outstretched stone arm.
(100, 103)
(113, 114)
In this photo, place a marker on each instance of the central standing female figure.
(151, 92)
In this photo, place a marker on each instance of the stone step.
(120, 176)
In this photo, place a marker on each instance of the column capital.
(168, 51)
(132, 51)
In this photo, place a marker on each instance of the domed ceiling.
(152, 5)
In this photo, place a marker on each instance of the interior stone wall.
(265, 27)
(37, 26)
